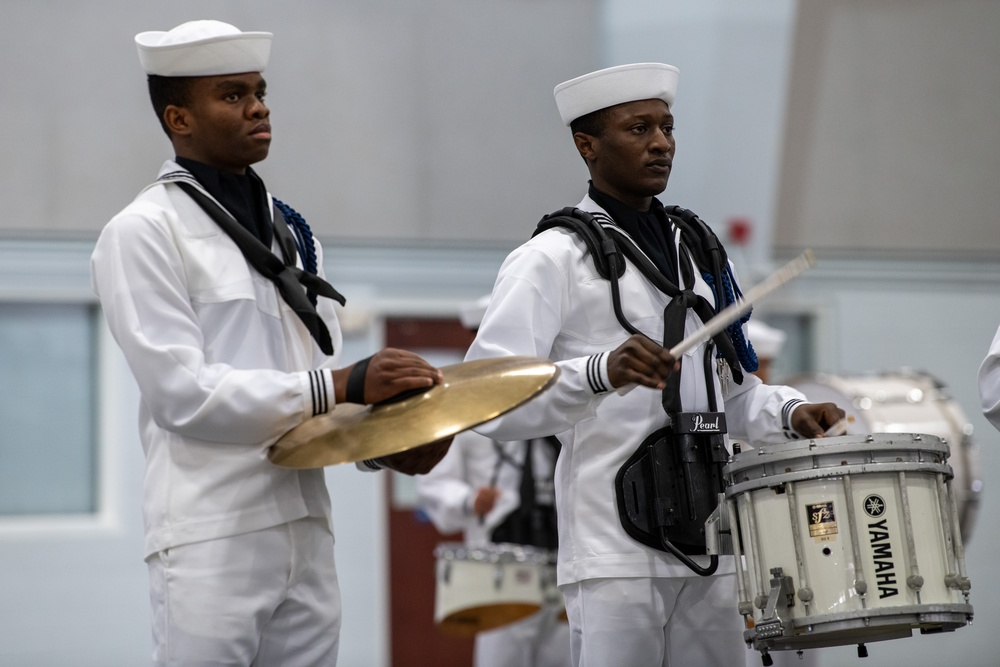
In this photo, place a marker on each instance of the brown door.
(414, 639)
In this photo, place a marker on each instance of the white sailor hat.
(615, 85)
(766, 340)
(203, 48)
(471, 313)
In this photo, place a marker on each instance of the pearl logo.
(701, 424)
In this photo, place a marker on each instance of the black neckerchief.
(244, 196)
(290, 281)
(651, 230)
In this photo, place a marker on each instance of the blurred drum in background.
(906, 401)
(487, 587)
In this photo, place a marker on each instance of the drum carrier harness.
(670, 486)
(533, 522)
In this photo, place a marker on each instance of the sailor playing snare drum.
(605, 290)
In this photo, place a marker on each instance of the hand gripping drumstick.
(732, 312)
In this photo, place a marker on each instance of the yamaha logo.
(874, 505)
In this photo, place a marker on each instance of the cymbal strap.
(469, 394)
(354, 392)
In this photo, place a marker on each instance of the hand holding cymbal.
(386, 376)
(470, 394)
(419, 460)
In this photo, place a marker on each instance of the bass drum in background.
(906, 401)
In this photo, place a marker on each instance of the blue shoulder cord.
(303, 239)
(744, 349)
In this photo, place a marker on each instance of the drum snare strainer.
(846, 540)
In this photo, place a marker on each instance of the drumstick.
(732, 312)
(839, 428)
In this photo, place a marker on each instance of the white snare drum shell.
(861, 527)
(906, 401)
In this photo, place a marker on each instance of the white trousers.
(642, 622)
(540, 640)
(265, 598)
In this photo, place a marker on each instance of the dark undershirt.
(242, 195)
(651, 230)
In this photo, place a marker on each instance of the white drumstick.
(731, 313)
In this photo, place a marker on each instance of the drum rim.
(799, 449)
(499, 553)
(963, 608)
(950, 615)
(835, 472)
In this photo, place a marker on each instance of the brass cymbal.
(472, 393)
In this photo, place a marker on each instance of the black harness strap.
(670, 485)
(609, 246)
(531, 523)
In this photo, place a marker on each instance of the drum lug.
(953, 580)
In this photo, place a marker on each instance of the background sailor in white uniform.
(474, 489)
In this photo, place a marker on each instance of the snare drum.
(906, 402)
(481, 588)
(846, 540)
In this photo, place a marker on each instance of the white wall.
(892, 141)
(392, 119)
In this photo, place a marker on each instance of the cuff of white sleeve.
(468, 505)
(317, 392)
(786, 418)
(597, 373)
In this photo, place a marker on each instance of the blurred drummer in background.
(989, 382)
(502, 492)
(767, 342)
